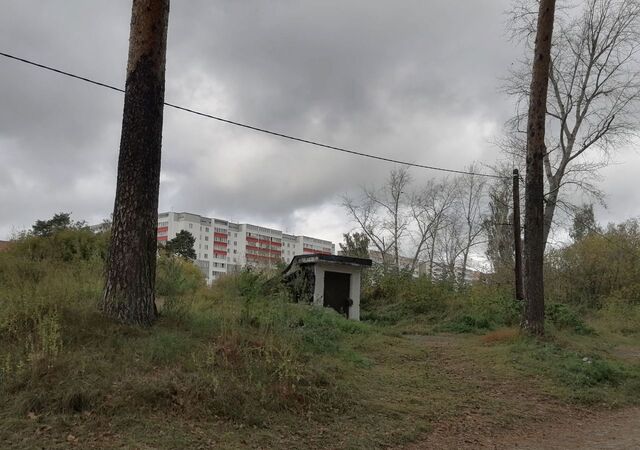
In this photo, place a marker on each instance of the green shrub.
(392, 297)
(176, 276)
(584, 378)
(65, 245)
(563, 317)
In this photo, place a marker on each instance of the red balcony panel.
(162, 238)
(252, 239)
(276, 244)
(314, 252)
(222, 235)
(162, 229)
(223, 244)
(277, 252)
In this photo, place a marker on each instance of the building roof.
(300, 260)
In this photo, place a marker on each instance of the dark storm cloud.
(413, 80)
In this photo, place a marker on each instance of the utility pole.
(129, 293)
(517, 241)
(533, 319)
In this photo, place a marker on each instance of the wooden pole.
(517, 240)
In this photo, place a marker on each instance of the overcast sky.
(411, 80)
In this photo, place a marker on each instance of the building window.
(206, 256)
(206, 238)
(235, 242)
(206, 229)
(235, 251)
(206, 247)
(190, 225)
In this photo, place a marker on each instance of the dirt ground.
(604, 430)
(550, 424)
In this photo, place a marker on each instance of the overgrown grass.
(239, 364)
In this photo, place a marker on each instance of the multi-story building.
(222, 246)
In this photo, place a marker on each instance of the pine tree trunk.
(533, 320)
(129, 294)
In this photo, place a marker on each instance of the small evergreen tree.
(356, 245)
(182, 245)
(584, 222)
(60, 221)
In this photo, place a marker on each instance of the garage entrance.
(336, 291)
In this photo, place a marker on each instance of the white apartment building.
(222, 246)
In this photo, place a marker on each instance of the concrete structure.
(222, 246)
(328, 280)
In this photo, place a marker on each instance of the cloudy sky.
(411, 80)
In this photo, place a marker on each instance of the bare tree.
(129, 294)
(441, 221)
(470, 204)
(392, 200)
(365, 213)
(382, 214)
(595, 88)
(449, 246)
(437, 201)
(533, 320)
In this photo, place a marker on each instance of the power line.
(251, 127)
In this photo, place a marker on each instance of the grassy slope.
(238, 367)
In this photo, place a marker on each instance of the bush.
(563, 317)
(66, 245)
(45, 296)
(391, 298)
(176, 276)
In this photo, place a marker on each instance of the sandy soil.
(551, 425)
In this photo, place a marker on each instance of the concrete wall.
(354, 287)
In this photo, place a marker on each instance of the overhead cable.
(252, 127)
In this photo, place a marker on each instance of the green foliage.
(356, 245)
(46, 282)
(239, 351)
(176, 277)
(390, 297)
(584, 223)
(586, 378)
(598, 266)
(500, 245)
(563, 317)
(481, 308)
(401, 299)
(182, 245)
(59, 222)
(65, 245)
(238, 360)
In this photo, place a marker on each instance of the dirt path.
(544, 423)
(604, 430)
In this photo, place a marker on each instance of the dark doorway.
(336, 291)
